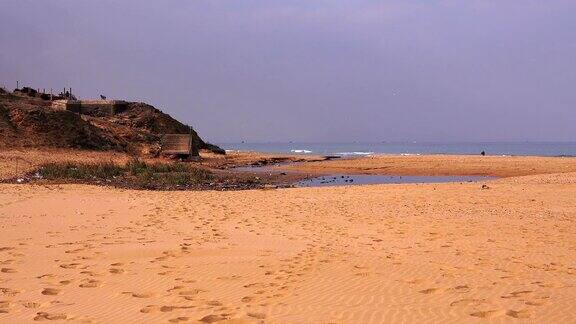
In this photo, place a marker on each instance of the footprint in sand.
(429, 291)
(74, 251)
(90, 283)
(462, 289)
(192, 292)
(90, 273)
(467, 302)
(116, 270)
(175, 288)
(4, 306)
(69, 265)
(150, 309)
(539, 301)
(257, 284)
(257, 315)
(49, 275)
(487, 313)
(185, 280)
(212, 318)
(8, 270)
(165, 309)
(179, 319)
(517, 294)
(519, 314)
(41, 316)
(8, 292)
(50, 291)
(247, 299)
(362, 274)
(31, 305)
(138, 295)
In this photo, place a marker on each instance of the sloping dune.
(447, 253)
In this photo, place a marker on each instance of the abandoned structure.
(31, 92)
(91, 107)
(180, 145)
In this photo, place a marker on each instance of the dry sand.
(361, 254)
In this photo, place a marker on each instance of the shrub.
(81, 171)
(135, 173)
(176, 179)
(137, 167)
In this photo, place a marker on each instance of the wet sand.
(446, 252)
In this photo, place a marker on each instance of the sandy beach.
(290, 162)
(409, 253)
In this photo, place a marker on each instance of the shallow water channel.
(333, 180)
(365, 179)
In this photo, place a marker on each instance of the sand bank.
(364, 254)
(497, 166)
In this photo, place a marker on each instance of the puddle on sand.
(333, 180)
(364, 179)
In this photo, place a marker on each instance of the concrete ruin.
(179, 145)
(91, 107)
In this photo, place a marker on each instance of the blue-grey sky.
(305, 70)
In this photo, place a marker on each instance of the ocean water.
(359, 149)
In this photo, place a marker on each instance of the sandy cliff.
(31, 122)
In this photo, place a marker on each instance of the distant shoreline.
(544, 149)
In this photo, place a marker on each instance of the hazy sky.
(354, 70)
